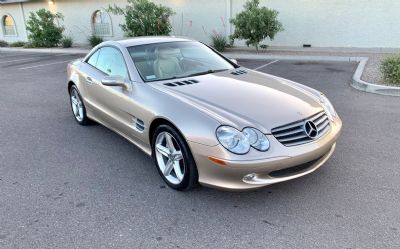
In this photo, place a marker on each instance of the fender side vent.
(182, 83)
(138, 124)
(239, 72)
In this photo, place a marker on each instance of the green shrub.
(254, 24)
(144, 18)
(3, 44)
(391, 69)
(95, 40)
(43, 32)
(29, 45)
(219, 41)
(66, 42)
(17, 44)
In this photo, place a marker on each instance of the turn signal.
(216, 160)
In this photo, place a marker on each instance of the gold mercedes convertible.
(202, 117)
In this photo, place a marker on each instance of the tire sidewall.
(85, 118)
(190, 177)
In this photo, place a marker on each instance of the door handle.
(89, 79)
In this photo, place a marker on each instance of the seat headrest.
(166, 53)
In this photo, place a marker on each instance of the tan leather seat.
(166, 64)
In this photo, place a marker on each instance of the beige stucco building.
(321, 23)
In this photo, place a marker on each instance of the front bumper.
(259, 169)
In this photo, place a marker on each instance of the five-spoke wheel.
(169, 158)
(78, 107)
(173, 158)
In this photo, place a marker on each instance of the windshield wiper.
(170, 78)
(206, 72)
(190, 75)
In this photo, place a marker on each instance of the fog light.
(249, 177)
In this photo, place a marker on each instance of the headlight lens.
(240, 142)
(256, 139)
(330, 111)
(233, 140)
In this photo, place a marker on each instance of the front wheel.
(78, 107)
(173, 158)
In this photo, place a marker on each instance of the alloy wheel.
(77, 105)
(169, 158)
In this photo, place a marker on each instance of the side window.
(112, 62)
(93, 59)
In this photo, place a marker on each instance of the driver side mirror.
(117, 81)
(234, 61)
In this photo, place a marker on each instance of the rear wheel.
(173, 158)
(78, 107)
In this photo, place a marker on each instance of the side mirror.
(117, 81)
(234, 61)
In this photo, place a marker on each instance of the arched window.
(8, 26)
(101, 23)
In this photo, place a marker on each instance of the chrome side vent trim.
(138, 125)
(303, 131)
(182, 83)
(239, 72)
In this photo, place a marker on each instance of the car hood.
(251, 99)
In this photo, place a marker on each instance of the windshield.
(171, 60)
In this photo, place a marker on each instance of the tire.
(187, 178)
(78, 106)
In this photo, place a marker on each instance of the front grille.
(294, 133)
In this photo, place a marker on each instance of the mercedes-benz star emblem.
(311, 129)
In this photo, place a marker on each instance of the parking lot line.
(25, 59)
(43, 65)
(8, 55)
(265, 65)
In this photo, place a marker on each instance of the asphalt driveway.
(67, 186)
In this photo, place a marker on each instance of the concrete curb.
(356, 83)
(359, 84)
(248, 56)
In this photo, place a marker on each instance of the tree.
(144, 18)
(254, 24)
(43, 30)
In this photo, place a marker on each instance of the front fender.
(195, 125)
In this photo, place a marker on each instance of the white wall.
(201, 13)
(322, 23)
(77, 17)
(336, 23)
(15, 11)
(78, 14)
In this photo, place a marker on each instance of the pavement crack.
(270, 223)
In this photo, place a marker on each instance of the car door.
(89, 76)
(113, 105)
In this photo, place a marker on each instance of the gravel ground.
(372, 73)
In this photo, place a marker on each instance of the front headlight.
(330, 111)
(240, 142)
(233, 140)
(256, 139)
